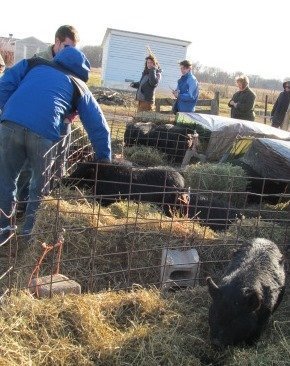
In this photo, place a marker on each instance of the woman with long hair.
(146, 86)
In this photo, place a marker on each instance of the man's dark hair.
(185, 63)
(67, 31)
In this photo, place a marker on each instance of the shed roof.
(143, 35)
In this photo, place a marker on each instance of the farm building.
(124, 53)
(14, 50)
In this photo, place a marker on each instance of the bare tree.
(94, 55)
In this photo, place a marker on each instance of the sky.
(249, 36)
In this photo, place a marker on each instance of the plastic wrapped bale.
(269, 158)
(221, 132)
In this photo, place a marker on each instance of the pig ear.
(253, 299)
(212, 287)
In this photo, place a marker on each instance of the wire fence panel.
(118, 220)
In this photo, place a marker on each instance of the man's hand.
(175, 93)
(233, 103)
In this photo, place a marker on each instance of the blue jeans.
(59, 167)
(19, 145)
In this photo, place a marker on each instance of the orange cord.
(46, 249)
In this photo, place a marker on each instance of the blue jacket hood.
(75, 61)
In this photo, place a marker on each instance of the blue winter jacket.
(39, 99)
(188, 93)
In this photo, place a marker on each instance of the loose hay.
(145, 156)
(108, 247)
(157, 118)
(127, 328)
(256, 227)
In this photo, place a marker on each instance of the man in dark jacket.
(243, 101)
(281, 105)
(146, 86)
(34, 102)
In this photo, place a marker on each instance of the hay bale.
(145, 156)
(217, 177)
(157, 118)
(139, 327)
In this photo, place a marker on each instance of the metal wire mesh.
(115, 240)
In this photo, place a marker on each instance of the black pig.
(160, 185)
(170, 139)
(249, 293)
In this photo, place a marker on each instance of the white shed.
(124, 55)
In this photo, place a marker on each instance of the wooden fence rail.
(213, 105)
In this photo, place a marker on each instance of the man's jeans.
(59, 169)
(17, 146)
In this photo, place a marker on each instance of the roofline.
(141, 34)
(23, 39)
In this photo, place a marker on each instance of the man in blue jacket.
(34, 101)
(187, 91)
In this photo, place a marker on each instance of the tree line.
(215, 75)
(204, 74)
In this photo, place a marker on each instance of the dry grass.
(206, 92)
(250, 228)
(217, 177)
(145, 156)
(137, 328)
(107, 247)
(157, 118)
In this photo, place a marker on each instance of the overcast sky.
(251, 36)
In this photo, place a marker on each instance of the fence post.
(286, 123)
(266, 109)
(215, 104)
(157, 105)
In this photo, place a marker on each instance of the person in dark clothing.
(243, 101)
(281, 105)
(146, 86)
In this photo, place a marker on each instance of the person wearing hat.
(2, 65)
(187, 90)
(281, 105)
